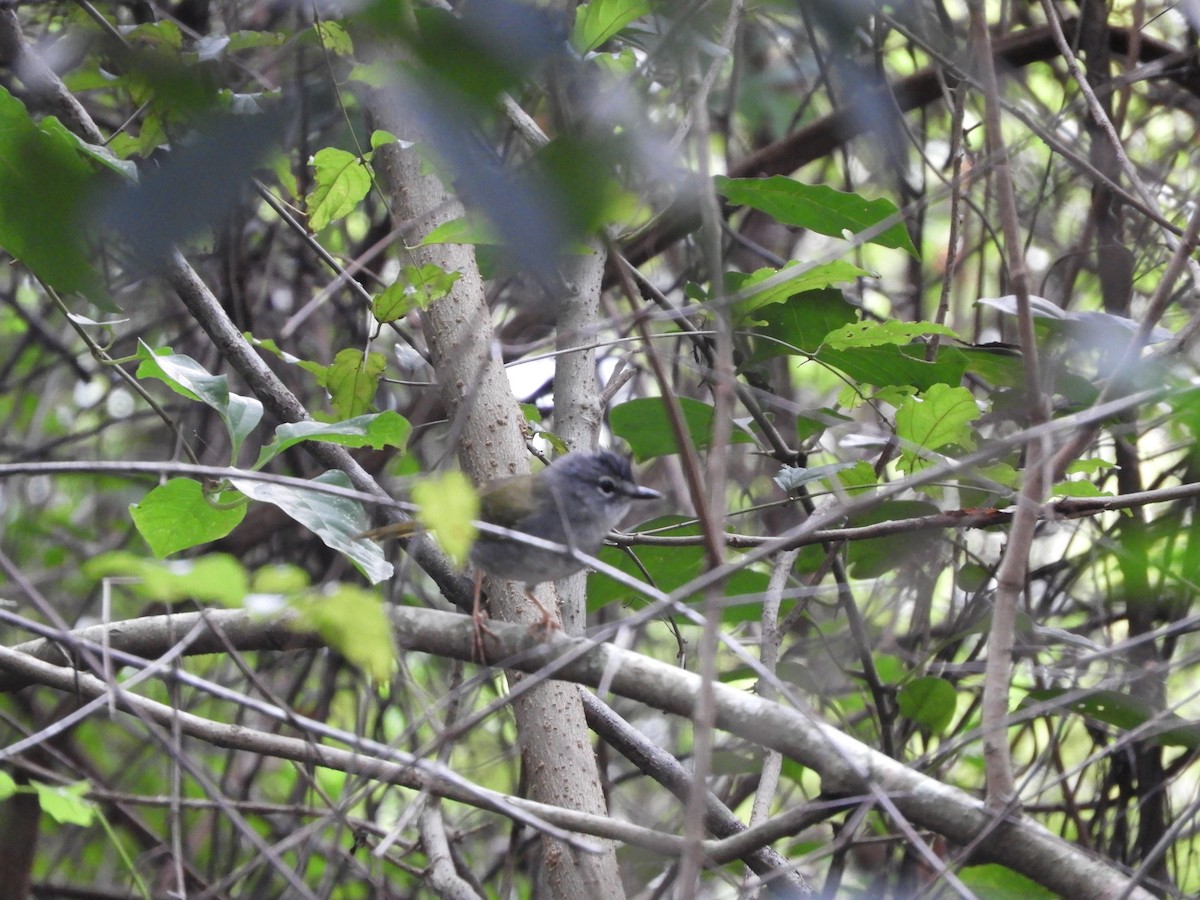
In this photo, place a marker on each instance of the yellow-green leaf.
(447, 504)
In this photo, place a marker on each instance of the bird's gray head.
(599, 479)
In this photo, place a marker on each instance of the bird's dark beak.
(645, 493)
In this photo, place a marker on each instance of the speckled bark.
(555, 741)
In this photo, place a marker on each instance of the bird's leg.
(479, 617)
(549, 622)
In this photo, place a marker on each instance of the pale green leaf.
(415, 288)
(66, 804)
(938, 417)
(354, 622)
(338, 521)
(447, 504)
(352, 380)
(214, 577)
(187, 377)
(342, 180)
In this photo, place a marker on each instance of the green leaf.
(938, 417)
(214, 577)
(472, 230)
(997, 882)
(43, 184)
(381, 138)
(930, 702)
(179, 514)
(800, 324)
(352, 380)
(342, 181)
(8, 786)
(66, 803)
(337, 521)
(877, 556)
(334, 38)
(415, 288)
(187, 377)
(375, 430)
(875, 334)
(817, 207)
(644, 424)
(1077, 489)
(126, 169)
(768, 286)
(890, 365)
(447, 504)
(599, 20)
(671, 567)
(1089, 466)
(1120, 710)
(354, 622)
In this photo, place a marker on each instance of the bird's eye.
(607, 486)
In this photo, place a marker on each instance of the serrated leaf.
(600, 20)
(644, 425)
(817, 207)
(767, 286)
(875, 334)
(930, 702)
(415, 288)
(334, 38)
(352, 380)
(353, 622)
(897, 365)
(337, 521)
(178, 515)
(936, 418)
(187, 377)
(447, 504)
(342, 181)
(799, 325)
(66, 803)
(376, 430)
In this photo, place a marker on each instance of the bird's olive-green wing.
(509, 501)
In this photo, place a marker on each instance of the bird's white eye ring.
(607, 486)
